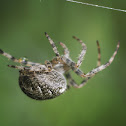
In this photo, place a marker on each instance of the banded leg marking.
(71, 64)
(8, 56)
(48, 65)
(99, 54)
(100, 68)
(66, 51)
(73, 83)
(52, 44)
(21, 60)
(71, 80)
(83, 52)
(16, 67)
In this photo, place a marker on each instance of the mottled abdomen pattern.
(41, 86)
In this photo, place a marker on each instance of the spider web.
(95, 5)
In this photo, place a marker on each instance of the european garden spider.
(46, 81)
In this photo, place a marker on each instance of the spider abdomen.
(41, 86)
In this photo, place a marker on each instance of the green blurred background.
(102, 102)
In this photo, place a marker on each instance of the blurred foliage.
(22, 25)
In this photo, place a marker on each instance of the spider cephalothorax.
(46, 81)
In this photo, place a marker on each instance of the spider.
(47, 81)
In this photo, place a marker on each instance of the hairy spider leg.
(101, 67)
(53, 45)
(66, 51)
(99, 54)
(16, 67)
(68, 75)
(48, 65)
(92, 72)
(83, 52)
(71, 64)
(22, 61)
(72, 81)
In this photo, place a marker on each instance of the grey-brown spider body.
(38, 83)
(46, 81)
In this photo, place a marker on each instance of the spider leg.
(100, 68)
(99, 54)
(81, 56)
(83, 52)
(16, 67)
(21, 60)
(8, 56)
(48, 65)
(66, 51)
(72, 65)
(53, 45)
(71, 80)
(73, 83)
